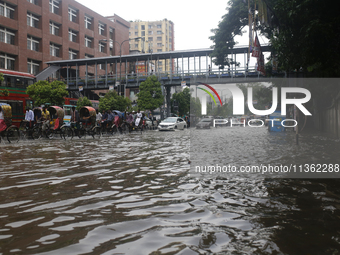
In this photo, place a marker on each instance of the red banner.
(260, 64)
(257, 49)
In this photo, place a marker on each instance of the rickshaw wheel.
(22, 130)
(81, 133)
(92, 132)
(49, 133)
(13, 134)
(36, 133)
(98, 131)
(66, 133)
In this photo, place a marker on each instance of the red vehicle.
(73, 101)
(16, 83)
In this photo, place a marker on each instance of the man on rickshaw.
(110, 118)
(105, 115)
(129, 118)
(139, 116)
(37, 114)
(29, 117)
(86, 119)
(45, 119)
(118, 119)
(75, 116)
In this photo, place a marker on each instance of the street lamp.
(120, 55)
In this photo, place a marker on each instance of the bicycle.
(90, 129)
(33, 132)
(11, 132)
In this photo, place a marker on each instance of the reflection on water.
(239, 147)
(132, 194)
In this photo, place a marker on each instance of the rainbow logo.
(213, 90)
(203, 100)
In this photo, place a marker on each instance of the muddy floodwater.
(134, 194)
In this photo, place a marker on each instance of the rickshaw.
(117, 125)
(56, 124)
(11, 132)
(35, 131)
(87, 123)
(133, 128)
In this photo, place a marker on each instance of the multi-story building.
(158, 37)
(33, 32)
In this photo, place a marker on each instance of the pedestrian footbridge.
(181, 67)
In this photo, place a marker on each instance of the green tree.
(261, 94)
(195, 106)
(83, 101)
(43, 92)
(230, 26)
(112, 101)
(182, 99)
(3, 92)
(150, 95)
(304, 34)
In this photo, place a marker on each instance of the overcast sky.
(193, 19)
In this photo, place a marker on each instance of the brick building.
(33, 32)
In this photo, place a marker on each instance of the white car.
(172, 123)
(236, 122)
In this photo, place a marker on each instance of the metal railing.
(100, 81)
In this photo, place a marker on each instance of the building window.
(32, 20)
(159, 50)
(159, 44)
(101, 47)
(7, 61)
(159, 26)
(33, 2)
(150, 39)
(150, 32)
(88, 41)
(54, 6)
(143, 27)
(111, 32)
(6, 10)
(54, 50)
(136, 45)
(159, 38)
(102, 66)
(136, 33)
(33, 66)
(32, 43)
(6, 35)
(136, 27)
(88, 56)
(159, 32)
(88, 22)
(101, 28)
(72, 54)
(72, 14)
(150, 26)
(54, 28)
(143, 33)
(72, 35)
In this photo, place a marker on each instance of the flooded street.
(135, 194)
